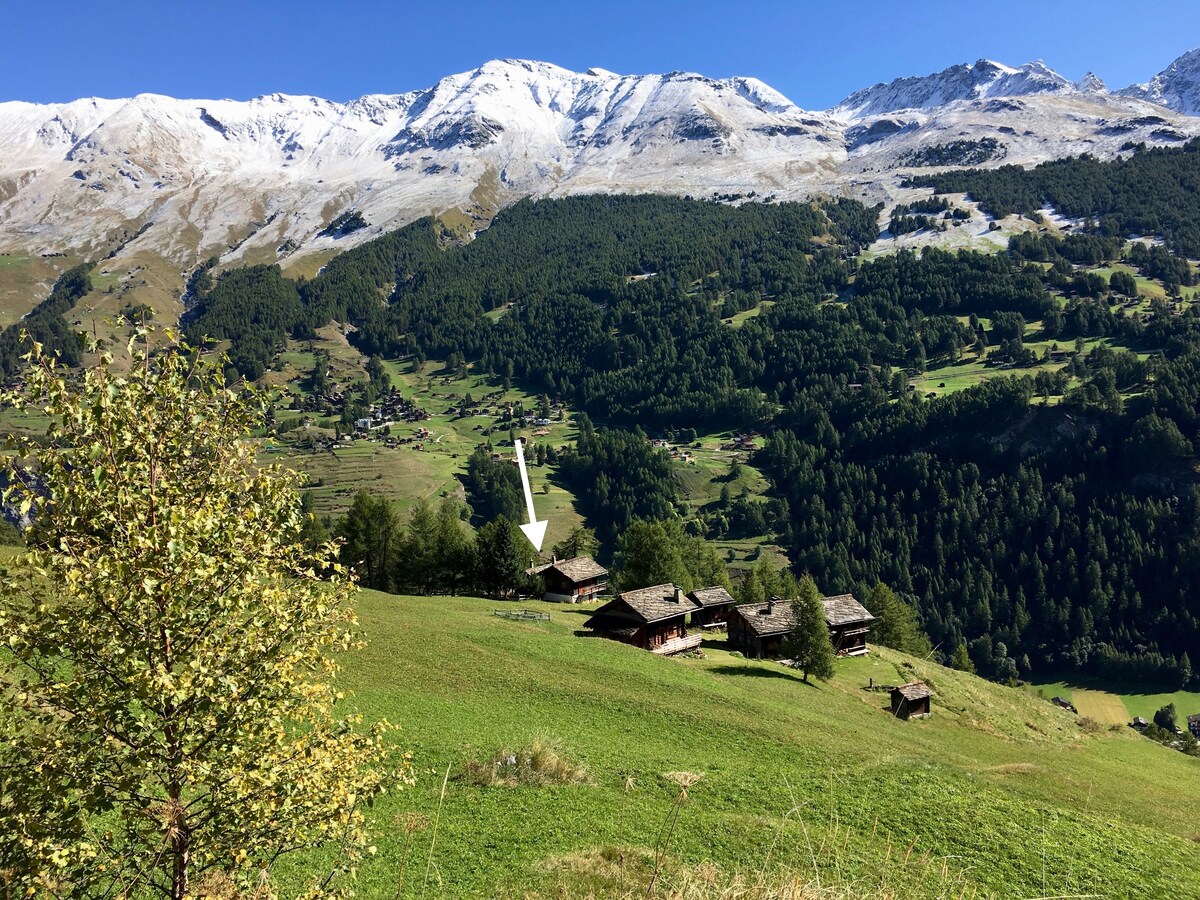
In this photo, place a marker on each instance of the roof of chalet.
(651, 604)
(711, 596)
(840, 610)
(917, 690)
(845, 610)
(581, 568)
(765, 619)
(1193, 718)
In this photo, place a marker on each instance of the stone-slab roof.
(711, 596)
(843, 609)
(917, 690)
(581, 568)
(656, 602)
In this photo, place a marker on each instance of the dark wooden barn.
(653, 618)
(911, 701)
(849, 622)
(759, 629)
(1193, 724)
(712, 607)
(575, 580)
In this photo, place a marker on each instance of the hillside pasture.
(999, 794)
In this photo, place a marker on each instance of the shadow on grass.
(761, 672)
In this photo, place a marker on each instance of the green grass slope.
(999, 794)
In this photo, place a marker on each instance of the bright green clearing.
(1136, 700)
(999, 794)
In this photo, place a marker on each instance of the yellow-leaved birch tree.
(170, 717)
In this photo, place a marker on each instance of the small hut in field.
(911, 701)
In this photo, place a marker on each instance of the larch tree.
(897, 625)
(809, 645)
(168, 702)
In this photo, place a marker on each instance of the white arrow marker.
(534, 530)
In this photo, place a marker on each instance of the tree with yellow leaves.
(168, 710)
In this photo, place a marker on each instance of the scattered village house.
(1193, 724)
(760, 629)
(712, 607)
(653, 618)
(575, 580)
(911, 701)
(849, 622)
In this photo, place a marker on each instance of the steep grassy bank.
(999, 794)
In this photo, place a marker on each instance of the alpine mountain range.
(261, 180)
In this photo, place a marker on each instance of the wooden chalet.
(653, 618)
(1193, 724)
(712, 607)
(575, 580)
(760, 629)
(911, 701)
(849, 623)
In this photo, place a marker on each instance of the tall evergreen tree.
(808, 645)
(502, 557)
(896, 623)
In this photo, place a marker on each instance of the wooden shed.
(712, 607)
(653, 618)
(849, 622)
(911, 701)
(759, 629)
(575, 580)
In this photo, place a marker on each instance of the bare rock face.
(1177, 87)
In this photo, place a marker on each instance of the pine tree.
(808, 645)
(896, 624)
(960, 659)
(502, 556)
(647, 555)
(580, 542)
(371, 534)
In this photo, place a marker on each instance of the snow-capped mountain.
(260, 180)
(1176, 87)
(968, 81)
(225, 177)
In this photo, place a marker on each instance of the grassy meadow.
(1127, 700)
(999, 794)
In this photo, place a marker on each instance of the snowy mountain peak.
(1091, 83)
(966, 81)
(1176, 87)
(261, 179)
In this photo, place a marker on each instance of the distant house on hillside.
(575, 580)
(849, 623)
(760, 629)
(653, 618)
(712, 607)
(911, 701)
(1193, 724)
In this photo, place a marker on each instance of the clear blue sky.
(815, 53)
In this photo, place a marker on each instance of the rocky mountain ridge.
(262, 180)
